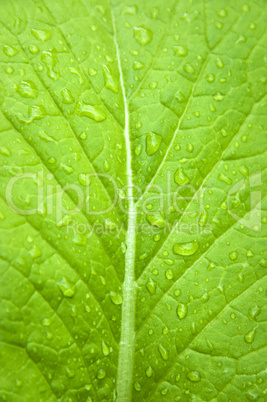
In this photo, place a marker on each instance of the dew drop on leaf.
(163, 352)
(153, 142)
(181, 310)
(143, 35)
(185, 248)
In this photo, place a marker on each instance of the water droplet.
(46, 322)
(5, 151)
(27, 89)
(149, 372)
(66, 287)
(143, 35)
(185, 248)
(210, 77)
(190, 147)
(84, 179)
(180, 51)
(181, 310)
(116, 298)
(34, 112)
(233, 255)
(250, 336)
(263, 262)
(163, 352)
(35, 251)
(180, 177)
(137, 386)
(66, 96)
(41, 34)
(193, 376)
(138, 149)
(218, 96)
(151, 286)
(105, 349)
(93, 112)
(10, 51)
(101, 374)
(50, 60)
(153, 142)
(225, 178)
(92, 71)
(137, 65)
(188, 68)
(34, 49)
(169, 274)
(219, 62)
(156, 220)
(203, 218)
(110, 80)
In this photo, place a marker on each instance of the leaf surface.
(133, 203)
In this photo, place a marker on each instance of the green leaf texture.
(133, 203)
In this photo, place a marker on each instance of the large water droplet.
(149, 372)
(203, 218)
(163, 352)
(250, 336)
(153, 142)
(66, 96)
(116, 298)
(10, 51)
(193, 376)
(180, 51)
(143, 35)
(105, 349)
(180, 177)
(181, 310)
(66, 287)
(50, 60)
(156, 220)
(110, 80)
(41, 34)
(94, 112)
(185, 248)
(34, 112)
(151, 286)
(27, 89)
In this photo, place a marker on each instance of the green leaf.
(133, 203)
